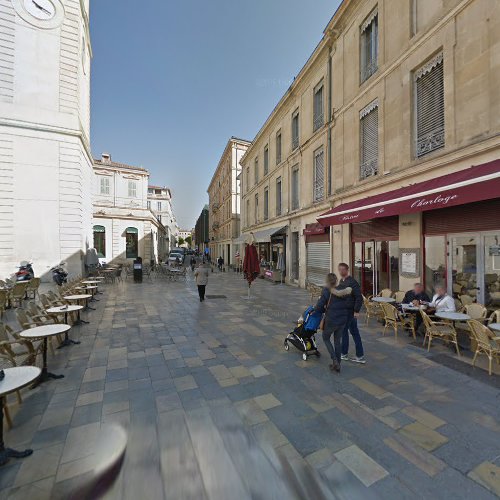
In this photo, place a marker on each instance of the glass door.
(464, 255)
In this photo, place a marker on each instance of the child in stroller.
(302, 337)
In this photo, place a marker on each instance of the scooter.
(59, 275)
(25, 272)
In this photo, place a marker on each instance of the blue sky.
(172, 81)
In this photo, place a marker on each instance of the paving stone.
(185, 383)
(487, 474)
(425, 437)
(267, 401)
(258, 371)
(89, 398)
(424, 417)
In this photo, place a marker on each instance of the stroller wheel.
(304, 357)
(286, 346)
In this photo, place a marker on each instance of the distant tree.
(189, 241)
(180, 241)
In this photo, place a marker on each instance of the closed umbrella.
(251, 267)
(281, 264)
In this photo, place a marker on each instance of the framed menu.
(409, 259)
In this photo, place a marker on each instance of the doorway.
(376, 265)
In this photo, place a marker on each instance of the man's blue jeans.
(352, 326)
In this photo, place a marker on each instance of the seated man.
(414, 297)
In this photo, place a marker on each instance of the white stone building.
(124, 227)
(160, 203)
(45, 160)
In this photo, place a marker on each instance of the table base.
(44, 377)
(80, 321)
(7, 453)
(66, 342)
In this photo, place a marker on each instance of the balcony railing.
(430, 142)
(368, 168)
(318, 121)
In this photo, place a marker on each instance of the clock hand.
(38, 6)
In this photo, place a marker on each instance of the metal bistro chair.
(438, 329)
(486, 343)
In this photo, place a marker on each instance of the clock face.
(44, 10)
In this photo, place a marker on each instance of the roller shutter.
(318, 262)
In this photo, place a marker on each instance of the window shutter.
(429, 84)
(369, 141)
(319, 175)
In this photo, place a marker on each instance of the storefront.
(444, 230)
(317, 239)
(271, 247)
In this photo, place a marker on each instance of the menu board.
(409, 262)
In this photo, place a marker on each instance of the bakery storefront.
(442, 230)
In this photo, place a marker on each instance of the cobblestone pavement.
(165, 365)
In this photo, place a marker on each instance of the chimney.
(106, 158)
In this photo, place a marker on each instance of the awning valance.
(467, 186)
(264, 236)
(315, 229)
(131, 230)
(99, 229)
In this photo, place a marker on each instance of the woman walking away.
(193, 262)
(336, 308)
(201, 276)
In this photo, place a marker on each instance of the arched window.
(131, 243)
(100, 241)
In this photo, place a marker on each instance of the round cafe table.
(387, 300)
(15, 378)
(59, 310)
(494, 326)
(452, 316)
(44, 332)
(92, 285)
(82, 297)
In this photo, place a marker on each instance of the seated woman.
(442, 302)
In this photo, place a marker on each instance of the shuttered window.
(278, 196)
(278, 148)
(256, 172)
(295, 130)
(318, 116)
(369, 140)
(369, 46)
(266, 160)
(295, 188)
(104, 185)
(319, 175)
(132, 189)
(256, 210)
(266, 203)
(429, 103)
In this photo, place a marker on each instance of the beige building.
(410, 145)
(224, 202)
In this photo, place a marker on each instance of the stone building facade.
(410, 113)
(224, 202)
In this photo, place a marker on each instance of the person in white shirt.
(441, 301)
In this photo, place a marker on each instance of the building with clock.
(45, 161)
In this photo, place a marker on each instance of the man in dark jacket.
(414, 297)
(335, 304)
(355, 301)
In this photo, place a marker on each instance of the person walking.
(201, 275)
(334, 303)
(193, 263)
(354, 301)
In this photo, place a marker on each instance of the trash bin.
(138, 270)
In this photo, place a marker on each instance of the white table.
(91, 285)
(15, 378)
(386, 300)
(66, 310)
(44, 332)
(494, 326)
(80, 297)
(452, 316)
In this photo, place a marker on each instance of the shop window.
(100, 241)
(131, 243)
(429, 104)
(369, 140)
(369, 46)
(435, 262)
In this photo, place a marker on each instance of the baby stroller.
(302, 337)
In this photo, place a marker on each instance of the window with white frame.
(266, 160)
(295, 130)
(132, 189)
(318, 113)
(148, 203)
(368, 118)
(319, 175)
(278, 148)
(104, 187)
(278, 196)
(256, 209)
(429, 106)
(256, 171)
(266, 203)
(369, 46)
(158, 205)
(295, 188)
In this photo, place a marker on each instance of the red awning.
(467, 186)
(314, 229)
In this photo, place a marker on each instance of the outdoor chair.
(6, 362)
(476, 311)
(486, 343)
(438, 329)
(494, 317)
(372, 309)
(458, 305)
(393, 319)
(146, 271)
(386, 292)
(399, 296)
(18, 293)
(315, 291)
(22, 352)
(466, 299)
(3, 301)
(33, 287)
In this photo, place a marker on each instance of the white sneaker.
(344, 357)
(360, 360)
